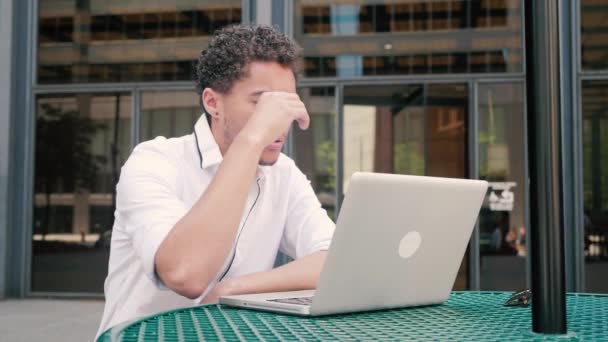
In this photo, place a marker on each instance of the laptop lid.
(399, 241)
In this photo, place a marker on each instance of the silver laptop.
(399, 242)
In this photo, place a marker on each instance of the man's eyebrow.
(257, 92)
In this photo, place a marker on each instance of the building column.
(263, 12)
(6, 61)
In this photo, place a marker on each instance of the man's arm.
(194, 250)
(301, 274)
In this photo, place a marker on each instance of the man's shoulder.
(162, 147)
(160, 155)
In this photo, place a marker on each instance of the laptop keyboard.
(296, 300)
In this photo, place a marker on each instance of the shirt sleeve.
(308, 229)
(147, 202)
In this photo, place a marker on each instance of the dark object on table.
(519, 298)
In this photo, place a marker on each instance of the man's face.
(237, 105)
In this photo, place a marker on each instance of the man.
(204, 215)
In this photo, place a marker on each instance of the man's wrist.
(250, 140)
(231, 286)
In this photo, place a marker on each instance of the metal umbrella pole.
(544, 141)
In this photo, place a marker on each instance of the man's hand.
(273, 115)
(300, 274)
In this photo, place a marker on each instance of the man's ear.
(210, 99)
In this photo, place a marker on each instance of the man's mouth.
(276, 145)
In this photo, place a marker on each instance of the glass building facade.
(415, 87)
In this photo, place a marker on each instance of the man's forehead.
(261, 77)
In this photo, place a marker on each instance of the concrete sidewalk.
(49, 320)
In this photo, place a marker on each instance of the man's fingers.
(304, 123)
(302, 117)
(300, 114)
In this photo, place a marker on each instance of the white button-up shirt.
(161, 181)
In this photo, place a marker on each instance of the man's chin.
(269, 159)
(267, 163)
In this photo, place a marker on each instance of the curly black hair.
(233, 48)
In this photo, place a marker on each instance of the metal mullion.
(277, 15)
(499, 80)
(6, 106)
(321, 83)
(307, 82)
(34, 43)
(289, 147)
(25, 207)
(578, 174)
(567, 77)
(81, 90)
(28, 197)
(70, 295)
(524, 52)
(593, 76)
(135, 117)
(527, 219)
(246, 6)
(577, 147)
(425, 129)
(339, 136)
(111, 87)
(169, 86)
(576, 11)
(288, 18)
(473, 149)
(396, 79)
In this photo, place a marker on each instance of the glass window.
(314, 150)
(417, 129)
(168, 113)
(82, 140)
(401, 37)
(502, 227)
(595, 184)
(594, 34)
(120, 41)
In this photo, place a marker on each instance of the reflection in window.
(99, 41)
(501, 162)
(411, 129)
(402, 16)
(409, 37)
(118, 72)
(168, 113)
(447, 63)
(595, 184)
(594, 34)
(173, 24)
(82, 141)
(314, 149)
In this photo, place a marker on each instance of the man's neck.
(219, 137)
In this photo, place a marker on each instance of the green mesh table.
(471, 316)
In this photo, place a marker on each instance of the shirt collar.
(208, 150)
